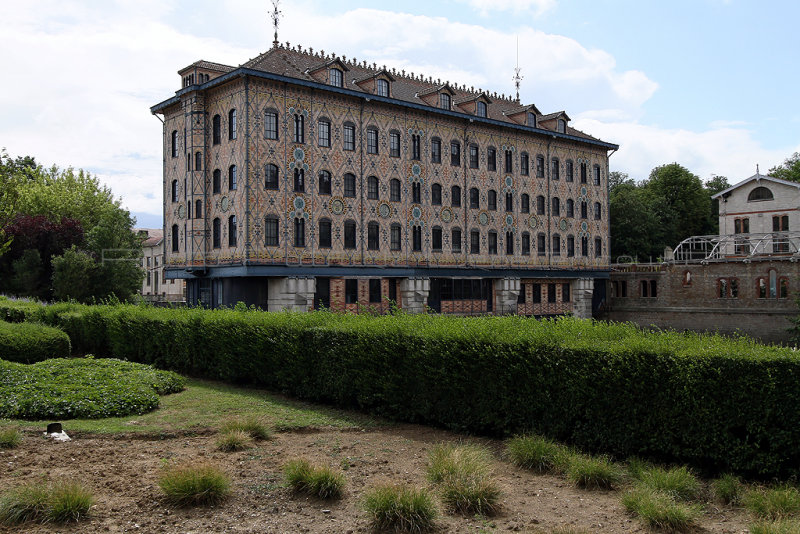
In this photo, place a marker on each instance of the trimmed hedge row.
(29, 342)
(717, 403)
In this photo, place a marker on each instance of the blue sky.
(710, 84)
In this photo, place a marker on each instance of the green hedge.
(82, 388)
(30, 342)
(718, 403)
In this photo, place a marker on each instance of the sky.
(709, 84)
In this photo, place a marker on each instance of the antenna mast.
(517, 78)
(275, 15)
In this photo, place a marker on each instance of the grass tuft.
(318, 481)
(593, 471)
(23, 504)
(252, 426)
(463, 473)
(447, 460)
(194, 484)
(536, 453)
(234, 440)
(773, 503)
(678, 482)
(401, 509)
(69, 501)
(728, 489)
(782, 526)
(660, 510)
(10, 438)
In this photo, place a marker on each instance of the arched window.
(216, 130)
(474, 198)
(597, 211)
(554, 169)
(372, 188)
(480, 109)
(271, 124)
(436, 150)
(373, 231)
(349, 234)
(198, 209)
(198, 161)
(491, 201)
(455, 153)
(174, 190)
(174, 143)
(556, 245)
(526, 244)
(271, 231)
(583, 172)
(570, 208)
(509, 166)
(509, 202)
(759, 193)
(436, 194)
(324, 183)
(491, 158)
(455, 240)
(299, 180)
(541, 244)
(524, 164)
(474, 242)
(270, 176)
(299, 128)
(455, 196)
(232, 231)
(349, 136)
(598, 250)
(394, 190)
(570, 246)
(556, 207)
(174, 238)
(583, 210)
(299, 232)
(540, 205)
(570, 171)
(215, 233)
(215, 181)
(232, 124)
(584, 246)
(325, 233)
(473, 156)
(232, 178)
(525, 203)
(540, 166)
(350, 185)
(596, 175)
(372, 140)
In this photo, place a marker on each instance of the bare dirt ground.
(122, 473)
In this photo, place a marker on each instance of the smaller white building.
(155, 287)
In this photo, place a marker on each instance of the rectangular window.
(349, 137)
(271, 232)
(436, 239)
(509, 161)
(492, 242)
(374, 290)
(436, 150)
(473, 156)
(540, 166)
(596, 175)
(372, 141)
(551, 292)
(444, 101)
(395, 237)
(526, 244)
(455, 241)
(480, 109)
(569, 171)
(564, 292)
(325, 234)
(415, 147)
(349, 185)
(324, 131)
(491, 159)
(416, 242)
(455, 154)
(271, 125)
(394, 144)
(474, 242)
(554, 174)
(536, 293)
(351, 291)
(382, 88)
(523, 165)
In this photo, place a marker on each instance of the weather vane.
(276, 17)
(517, 78)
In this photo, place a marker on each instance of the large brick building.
(301, 179)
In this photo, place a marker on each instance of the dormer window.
(335, 76)
(561, 126)
(444, 101)
(382, 88)
(480, 109)
(531, 119)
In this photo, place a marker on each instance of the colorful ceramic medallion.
(224, 204)
(483, 218)
(181, 212)
(562, 225)
(384, 210)
(337, 206)
(533, 222)
(446, 215)
(299, 203)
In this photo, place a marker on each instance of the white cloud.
(538, 7)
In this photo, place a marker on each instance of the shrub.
(536, 453)
(728, 489)
(29, 342)
(25, 503)
(69, 501)
(659, 510)
(775, 527)
(773, 503)
(317, 481)
(234, 440)
(255, 428)
(463, 473)
(81, 388)
(678, 482)
(593, 472)
(10, 438)
(400, 509)
(194, 484)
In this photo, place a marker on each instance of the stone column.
(582, 290)
(414, 293)
(293, 294)
(507, 292)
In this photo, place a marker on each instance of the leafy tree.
(789, 170)
(73, 273)
(635, 229)
(12, 175)
(118, 251)
(715, 185)
(616, 179)
(29, 278)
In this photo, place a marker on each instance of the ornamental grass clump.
(10, 438)
(69, 501)
(464, 479)
(61, 502)
(313, 480)
(781, 526)
(773, 503)
(592, 472)
(194, 484)
(678, 482)
(728, 489)
(660, 510)
(536, 453)
(234, 440)
(401, 509)
(252, 426)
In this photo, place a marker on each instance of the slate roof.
(757, 177)
(210, 65)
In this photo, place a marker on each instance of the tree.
(73, 273)
(789, 170)
(635, 229)
(12, 175)
(118, 251)
(682, 203)
(715, 185)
